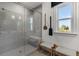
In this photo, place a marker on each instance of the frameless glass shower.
(11, 30)
(16, 39)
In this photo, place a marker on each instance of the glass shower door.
(11, 33)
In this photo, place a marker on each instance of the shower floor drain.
(20, 51)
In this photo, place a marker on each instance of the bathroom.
(39, 29)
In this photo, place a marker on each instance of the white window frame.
(73, 18)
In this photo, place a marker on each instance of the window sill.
(68, 33)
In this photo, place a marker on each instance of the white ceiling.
(31, 5)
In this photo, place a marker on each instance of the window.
(31, 23)
(64, 18)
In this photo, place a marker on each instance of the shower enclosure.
(16, 37)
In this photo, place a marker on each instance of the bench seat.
(66, 51)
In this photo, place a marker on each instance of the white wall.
(68, 41)
(46, 8)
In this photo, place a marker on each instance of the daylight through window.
(64, 18)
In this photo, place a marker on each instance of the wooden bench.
(46, 46)
(62, 51)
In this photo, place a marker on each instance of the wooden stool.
(77, 53)
(53, 49)
(46, 47)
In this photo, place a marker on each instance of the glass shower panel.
(11, 32)
(32, 37)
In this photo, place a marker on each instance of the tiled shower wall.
(37, 23)
(12, 26)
